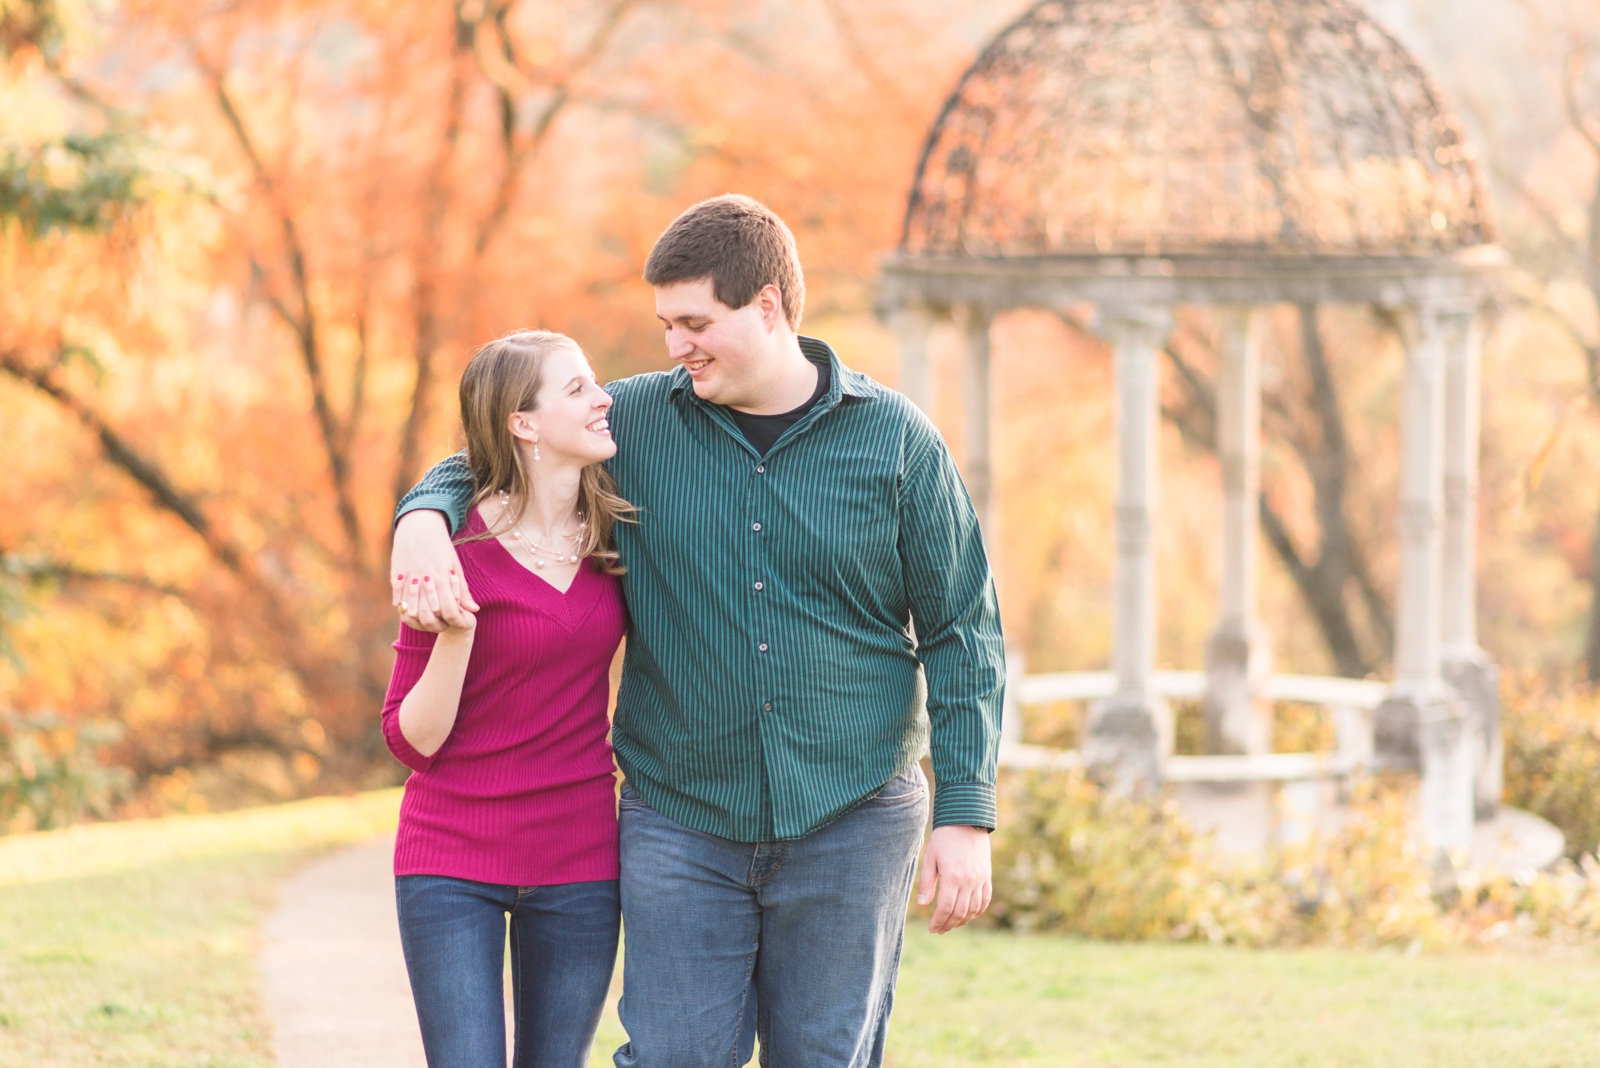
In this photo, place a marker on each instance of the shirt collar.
(845, 382)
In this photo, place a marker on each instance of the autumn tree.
(235, 382)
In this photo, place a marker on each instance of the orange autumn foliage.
(355, 194)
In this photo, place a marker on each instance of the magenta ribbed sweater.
(521, 792)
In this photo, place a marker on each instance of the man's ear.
(770, 301)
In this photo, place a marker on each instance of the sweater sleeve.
(412, 651)
(447, 488)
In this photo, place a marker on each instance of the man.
(803, 543)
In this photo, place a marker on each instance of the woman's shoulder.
(476, 548)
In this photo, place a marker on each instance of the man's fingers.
(944, 909)
(423, 610)
(988, 895)
(966, 907)
(959, 896)
(926, 880)
(466, 595)
(449, 607)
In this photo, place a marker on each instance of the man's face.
(727, 351)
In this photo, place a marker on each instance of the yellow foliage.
(1071, 858)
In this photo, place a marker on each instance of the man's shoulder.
(881, 404)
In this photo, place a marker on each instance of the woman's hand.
(427, 585)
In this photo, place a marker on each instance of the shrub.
(1552, 745)
(50, 774)
(1070, 858)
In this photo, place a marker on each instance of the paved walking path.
(335, 981)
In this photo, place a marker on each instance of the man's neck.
(793, 379)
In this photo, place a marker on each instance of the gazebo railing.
(1349, 702)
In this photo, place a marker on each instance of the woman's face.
(570, 419)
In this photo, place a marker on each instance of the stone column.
(1130, 733)
(1422, 724)
(911, 329)
(1237, 719)
(977, 433)
(1465, 666)
(977, 412)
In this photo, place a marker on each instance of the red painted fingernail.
(413, 582)
(427, 578)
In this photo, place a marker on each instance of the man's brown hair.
(738, 243)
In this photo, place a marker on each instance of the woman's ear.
(524, 426)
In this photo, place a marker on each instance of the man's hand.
(426, 578)
(957, 859)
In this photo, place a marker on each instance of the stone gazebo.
(1137, 155)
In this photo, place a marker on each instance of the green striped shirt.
(780, 605)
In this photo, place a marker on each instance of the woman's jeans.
(563, 949)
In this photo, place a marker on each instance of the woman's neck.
(552, 495)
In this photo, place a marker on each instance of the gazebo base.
(1250, 819)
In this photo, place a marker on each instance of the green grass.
(978, 997)
(134, 945)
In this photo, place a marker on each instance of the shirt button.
(755, 526)
(762, 647)
(767, 707)
(761, 470)
(759, 587)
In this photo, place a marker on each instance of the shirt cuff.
(403, 750)
(963, 804)
(432, 502)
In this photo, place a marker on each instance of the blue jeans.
(797, 941)
(563, 950)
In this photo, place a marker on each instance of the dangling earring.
(536, 451)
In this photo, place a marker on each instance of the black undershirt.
(763, 431)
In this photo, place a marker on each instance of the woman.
(510, 808)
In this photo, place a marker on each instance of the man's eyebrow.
(685, 318)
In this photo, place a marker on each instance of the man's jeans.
(799, 941)
(563, 950)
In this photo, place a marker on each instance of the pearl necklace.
(539, 554)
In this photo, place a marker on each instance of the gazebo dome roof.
(1159, 128)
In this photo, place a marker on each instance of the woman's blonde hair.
(502, 378)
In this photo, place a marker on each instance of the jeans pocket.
(628, 797)
(908, 786)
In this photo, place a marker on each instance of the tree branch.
(1569, 93)
(41, 569)
(861, 56)
(518, 158)
(1541, 210)
(1591, 352)
(122, 454)
(303, 324)
(280, 628)
(429, 328)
